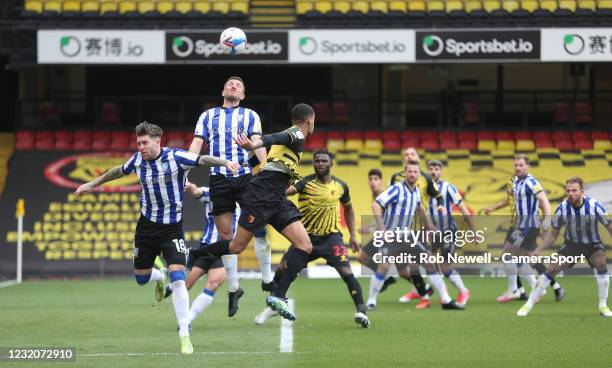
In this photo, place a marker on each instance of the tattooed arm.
(217, 161)
(112, 174)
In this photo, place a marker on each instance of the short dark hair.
(575, 179)
(301, 112)
(412, 162)
(150, 129)
(323, 151)
(235, 77)
(523, 157)
(437, 163)
(375, 172)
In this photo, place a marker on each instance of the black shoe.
(452, 305)
(524, 296)
(269, 287)
(429, 291)
(559, 294)
(232, 307)
(388, 281)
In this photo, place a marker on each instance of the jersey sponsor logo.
(72, 171)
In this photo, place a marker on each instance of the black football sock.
(355, 290)
(216, 249)
(519, 284)
(296, 261)
(419, 284)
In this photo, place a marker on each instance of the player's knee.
(345, 272)
(177, 276)
(142, 279)
(261, 233)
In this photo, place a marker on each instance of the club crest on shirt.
(166, 167)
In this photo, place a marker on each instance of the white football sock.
(511, 272)
(264, 256)
(438, 284)
(376, 283)
(603, 283)
(536, 293)
(200, 304)
(529, 273)
(156, 275)
(180, 300)
(230, 262)
(455, 279)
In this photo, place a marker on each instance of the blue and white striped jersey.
(163, 183)
(581, 223)
(525, 190)
(400, 204)
(450, 197)
(210, 234)
(218, 125)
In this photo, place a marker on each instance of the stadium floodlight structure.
(19, 213)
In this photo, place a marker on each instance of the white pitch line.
(169, 353)
(286, 336)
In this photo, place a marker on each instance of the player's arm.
(545, 206)
(467, 216)
(501, 204)
(549, 239)
(349, 215)
(257, 141)
(425, 217)
(291, 191)
(433, 192)
(196, 145)
(207, 160)
(112, 174)
(377, 210)
(193, 190)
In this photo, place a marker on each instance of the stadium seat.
(523, 135)
(52, 8)
(109, 8)
(586, 7)
(467, 136)
(564, 145)
(583, 112)
(412, 141)
(428, 135)
(324, 111)
(581, 135)
(447, 144)
(335, 145)
(392, 145)
(448, 136)
(397, 9)
(486, 145)
(529, 6)
(32, 8)
(505, 145)
(566, 8)
(372, 134)
(354, 134)
(583, 144)
(353, 144)
(561, 135)
(491, 5)
(486, 135)
(200, 7)
(541, 135)
(561, 113)
(239, 8)
(71, 8)
(544, 143)
(525, 145)
(547, 7)
(128, 8)
(431, 145)
(600, 135)
(435, 8)
(90, 8)
(183, 6)
(371, 145)
(341, 112)
(455, 7)
(504, 136)
(416, 9)
(164, 7)
(336, 135)
(602, 144)
(468, 144)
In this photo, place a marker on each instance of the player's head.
(521, 165)
(148, 138)
(574, 189)
(303, 115)
(435, 169)
(233, 89)
(412, 171)
(411, 154)
(322, 161)
(375, 180)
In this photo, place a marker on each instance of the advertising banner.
(577, 44)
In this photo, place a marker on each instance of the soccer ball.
(233, 41)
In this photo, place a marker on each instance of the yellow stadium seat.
(473, 5)
(53, 6)
(529, 5)
(202, 6)
(353, 144)
(302, 7)
(146, 6)
(323, 6)
(568, 4)
(342, 6)
(510, 5)
(221, 7)
(602, 145)
(604, 4)
(361, 6)
(486, 145)
(435, 5)
(525, 145)
(183, 6)
(373, 145)
(587, 5)
(380, 6)
(505, 145)
(126, 6)
(490, 5)
(335, 145)
(164, 6)
(35, 6)
(71, 6)
(416, 5)
(108, 6)
(90, 6)
(398, 6)
(454, 5)
(240, 6)
(550, 5)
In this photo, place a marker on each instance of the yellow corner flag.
(20, 210)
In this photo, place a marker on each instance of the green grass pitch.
(107, 319)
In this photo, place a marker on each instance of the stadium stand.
(7, 147)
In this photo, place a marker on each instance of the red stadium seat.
(600, 135)
(46, 144)
(177, 140)
(449, 144)
(120, 145)
(431, 145)
(63, 145)
(583, 144)
(341, 112)
(564, 145)
(581, 135)
(323, 111)
(372, 134)
(63, 135)
(542, 135)
(583, 111)
(392, 134)
(336, 135)
(25, 135)
(392, 145)
(544, 143)
(81, 145)
(561, 113)
(523, 135)
(486, 135)
(429, 135)
(411, 141)
(408, 134)
(468, 144)
(354, 134)
(561, 135)
(24, 144)
(43, 135)
(504, 136)
(468, 136)
(451, 136)
(315, 142)
(120, 135)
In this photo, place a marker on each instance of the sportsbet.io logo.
(308, 45)
(70, 46)
(573, 44)
(433, 45)
(182, 46)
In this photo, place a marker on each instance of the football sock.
(230, 263)
(201, 303)
(264, 256)
(296, 261)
